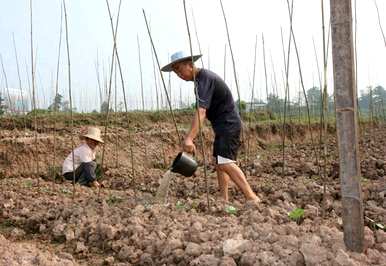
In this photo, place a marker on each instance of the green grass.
(296, 215)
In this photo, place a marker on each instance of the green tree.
(104, 107)
(275, 104)
(314, 100)
(57, 104)
(242, 104)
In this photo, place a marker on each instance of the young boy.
(84, 160)
(215, 103)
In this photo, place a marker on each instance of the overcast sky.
(90, 41)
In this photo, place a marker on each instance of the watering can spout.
(184, 164)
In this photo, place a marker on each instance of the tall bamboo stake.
(70, 97)
(346, 123)
(99, 82)
(19, 78)
(155, 80)
(197, 39)
(116, 118)
(34, 96)
(232, 57)
(225, 60)
(110, 81)
(379, 22)
(302, 83)
(286, 68)
(57, 87)
(265, 69)
(275, 88)
(197, 111)
(140, 73)
(162, 78)
(124, 93)
(251, 104)
(325, 114)
(142, 92)
(12, 106)
(356, 60)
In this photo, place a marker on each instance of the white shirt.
(82, 154)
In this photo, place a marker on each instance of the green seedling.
(65, 191)
(230, 210)
(28, 183)
(296, 215)
(180, 205)
(112, 199)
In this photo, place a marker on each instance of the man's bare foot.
(253, 202)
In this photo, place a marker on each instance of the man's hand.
(95, 184)
(189, 146)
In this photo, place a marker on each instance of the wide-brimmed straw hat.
(94, 133)
(179, 57)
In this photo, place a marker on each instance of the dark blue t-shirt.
(215, 96)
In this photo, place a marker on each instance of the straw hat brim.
(93, 138)
(169, 67)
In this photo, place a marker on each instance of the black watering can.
(184, 164)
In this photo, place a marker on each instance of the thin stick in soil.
(70, 98)
(197, 111)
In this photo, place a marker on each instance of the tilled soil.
(42, 222)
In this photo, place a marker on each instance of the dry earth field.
(43, 223)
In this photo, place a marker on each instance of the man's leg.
(86, 173)
(238, 177)
(223, 183)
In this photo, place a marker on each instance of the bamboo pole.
(325, 115)
(140, 73)
(251, 104)
(286, 68)
(346, 123)
(290, 10)
(266, 80)
(57, 88)
(11, 104)
(356, 61)
(19, 78)
(124, 94)
(70, 97)
(155, 80)
(275, 87)
(110, 82)
(34, 96)
(197, 39)
(116, 118)
(197, 111)
(225, 60)
(99, 82)
(379, 22)
(232, 57)
(162, 78)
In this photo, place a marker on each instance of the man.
(216, 103)
(84, 160)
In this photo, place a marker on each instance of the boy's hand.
(189, 146)
(95, 184)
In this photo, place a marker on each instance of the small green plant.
(6, 223)
(194, 205)
(296, 215)
(65, 191)
(180, 205)
(28, 184)
(112, 199)
(230, 209)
